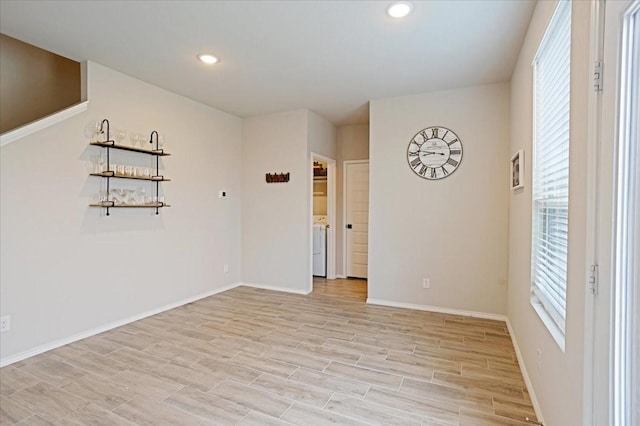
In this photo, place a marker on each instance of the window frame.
(550, 309)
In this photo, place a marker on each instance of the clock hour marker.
(444, 171)
(445, 135)
(424, 135)
(434, 133)
(455, 152)
(423, 170)
(453, 162)
(433, 173)
(452, 142)
(415, 162)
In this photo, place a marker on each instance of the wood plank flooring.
(258, 357)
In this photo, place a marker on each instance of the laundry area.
(320, 222)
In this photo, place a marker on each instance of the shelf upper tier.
(113, 145)
(114, 175)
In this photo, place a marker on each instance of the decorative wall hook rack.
(277, 177)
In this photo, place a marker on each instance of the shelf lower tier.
(111, 205)
(114, 175)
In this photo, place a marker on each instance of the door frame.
(590, 398)
(344, 211)
(602, 308)
(331, 216)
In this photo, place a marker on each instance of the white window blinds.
(550, 180)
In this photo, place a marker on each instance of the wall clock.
(434, 153)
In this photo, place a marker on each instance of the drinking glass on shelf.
(133, 138)
(114, 196)
(90, 165)
(119, 135)
(140, 195)
(92, 130)
(101, 197)
(100, 163)
(144, 143)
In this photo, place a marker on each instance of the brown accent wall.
(34, 83)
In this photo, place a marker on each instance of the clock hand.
(434, 153)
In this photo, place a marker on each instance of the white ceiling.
(329, 56)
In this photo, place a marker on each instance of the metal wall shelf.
(108, 175)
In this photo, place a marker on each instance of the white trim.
(274, 288)
(594, 105)
(525, 375)
(341, 276)
(438, 309)
(549, 323)
(106, 327)
(43, 123)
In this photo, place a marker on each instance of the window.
(550, 178)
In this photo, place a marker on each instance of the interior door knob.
(349, 226)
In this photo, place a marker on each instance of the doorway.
(613, 309)
(322, 191)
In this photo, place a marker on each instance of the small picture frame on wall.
(517, 170)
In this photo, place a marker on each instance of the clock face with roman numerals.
(434, 153)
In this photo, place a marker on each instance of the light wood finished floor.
(258, 357)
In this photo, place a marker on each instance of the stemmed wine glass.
(92, 131)
(119, 135)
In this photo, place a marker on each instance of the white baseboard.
(106, 327)
(438, 309)
(341, 276)
(525, 375)
(276, 288)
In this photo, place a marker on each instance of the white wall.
(353, 144)
(558, 386)
(322, 136)
(67, 268)
(276, 217)
(453, 231)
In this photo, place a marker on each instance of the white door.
(357, 218)
(616, 357)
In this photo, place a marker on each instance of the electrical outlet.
(5, 323)
(225, 268)
(426, 283)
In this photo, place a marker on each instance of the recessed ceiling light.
(399, 9)
(208, 59)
